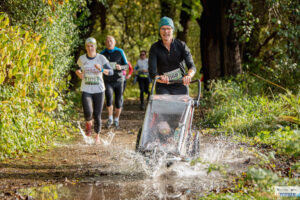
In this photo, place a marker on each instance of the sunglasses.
(142, 54)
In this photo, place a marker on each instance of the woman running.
(92, 66)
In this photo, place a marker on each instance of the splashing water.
(134, 176)
(87, 140)
(107, 141)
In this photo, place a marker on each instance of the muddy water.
(116, 171)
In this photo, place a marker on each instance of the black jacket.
(161, 60)
(115, 55)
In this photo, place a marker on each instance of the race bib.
(92, 76)
(174, 74)
(113, 65)
(92, 80)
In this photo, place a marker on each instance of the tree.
(134, 24)
(273, 47)
(220, 50)
(184, 20)
(168, 8)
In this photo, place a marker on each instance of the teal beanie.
(166, 21)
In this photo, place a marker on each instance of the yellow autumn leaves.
(26, 64)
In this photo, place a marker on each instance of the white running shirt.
(92, 81)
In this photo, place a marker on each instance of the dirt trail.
(69, 163)
(79, 162)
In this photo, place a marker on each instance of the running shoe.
(88, 128)
(109, 122)
(116, 124)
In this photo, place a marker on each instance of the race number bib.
(174, 74)
(113, 65)
(92, 80)
(92, 76)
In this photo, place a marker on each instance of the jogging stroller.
(167, 126)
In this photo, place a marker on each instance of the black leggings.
(173, 89)
(144, 87)
(111, 88)
(92, 107)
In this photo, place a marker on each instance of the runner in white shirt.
(92, 66)
(143, 78)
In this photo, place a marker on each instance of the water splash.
(134, 176)
(108, 139)
(105, 140)
(87, 140)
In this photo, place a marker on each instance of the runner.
(114, 84)
(167, 59)
(142, 73)
(91, 67)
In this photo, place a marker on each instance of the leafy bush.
(234, 108)
(57, 23)
(283, 140)
(32, 108)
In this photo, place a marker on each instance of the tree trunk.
(219, 43)
(184, 21)
(167, 9)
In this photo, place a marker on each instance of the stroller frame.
(180, 110)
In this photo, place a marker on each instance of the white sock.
(116, 119)
(110, 117)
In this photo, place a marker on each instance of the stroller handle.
(197, 100)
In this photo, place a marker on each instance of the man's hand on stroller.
(162, 79)
(187, 79)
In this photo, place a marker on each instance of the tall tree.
(220, 50)
(184, 19)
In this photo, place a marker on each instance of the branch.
(256, 53)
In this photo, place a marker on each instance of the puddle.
(131, 176)
(107, 140)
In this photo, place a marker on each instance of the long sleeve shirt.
(117, 56)
(162, 61)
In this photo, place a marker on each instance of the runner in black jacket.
(167, 60)
(114, 84)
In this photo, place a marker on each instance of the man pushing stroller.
(166, 61)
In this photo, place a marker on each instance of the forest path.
(112, 168)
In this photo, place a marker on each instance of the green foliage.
(256, 183)
(284, 140)
(262, 177)
(58, 26)
(235, 108)
(244, 21)
(35, 57)
(27, 65)
(134, 25)
(273, 47)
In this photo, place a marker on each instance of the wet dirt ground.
(114, 171)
